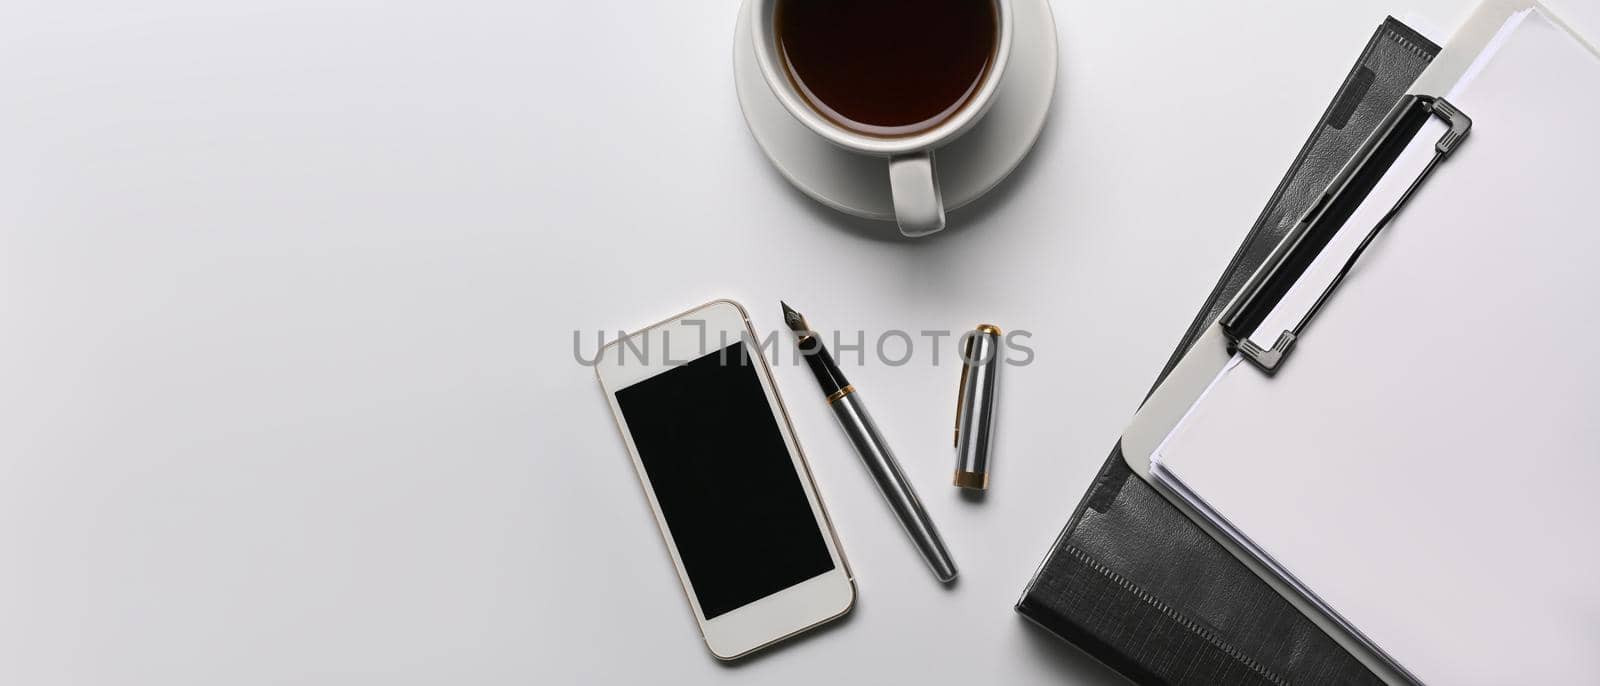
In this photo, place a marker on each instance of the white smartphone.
(725, 478)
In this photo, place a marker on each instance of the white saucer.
(968, 167)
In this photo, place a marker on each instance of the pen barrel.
(897, 491)
(980, 359)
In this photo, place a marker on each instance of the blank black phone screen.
(723, 477)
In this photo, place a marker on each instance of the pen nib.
(793, 319)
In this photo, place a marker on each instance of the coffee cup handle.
(918, 208)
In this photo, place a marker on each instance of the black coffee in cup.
(887, 68)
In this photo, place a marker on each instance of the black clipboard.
(1133, 581)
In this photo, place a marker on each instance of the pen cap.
(980, 368)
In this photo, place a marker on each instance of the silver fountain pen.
(874, 451)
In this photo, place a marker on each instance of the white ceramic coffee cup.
(918, 207)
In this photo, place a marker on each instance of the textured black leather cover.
(1135, 583)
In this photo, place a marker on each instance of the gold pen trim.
(847, 390)
(972, 480)
(961, 391)
(961, 388)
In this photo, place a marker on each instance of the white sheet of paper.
(1428, 460)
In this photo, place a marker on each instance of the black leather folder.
(1133, 581)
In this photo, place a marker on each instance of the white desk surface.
(289, 293)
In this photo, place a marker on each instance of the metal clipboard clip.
(1320, 222)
